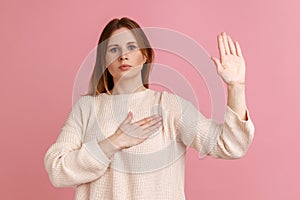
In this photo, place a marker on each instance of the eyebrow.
(117, 45)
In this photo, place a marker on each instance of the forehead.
(121, 36)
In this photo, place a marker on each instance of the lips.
(124, 67)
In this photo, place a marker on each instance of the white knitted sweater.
(153, 169)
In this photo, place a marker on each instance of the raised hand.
(231, 65)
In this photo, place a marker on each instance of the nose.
(123, 56)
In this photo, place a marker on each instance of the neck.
(128, 85)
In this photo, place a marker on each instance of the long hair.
(101, 80)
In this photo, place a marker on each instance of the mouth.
(124, 67)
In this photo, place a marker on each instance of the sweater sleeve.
(70, 162)
(228, 140)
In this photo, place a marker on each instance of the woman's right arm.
(69, 162)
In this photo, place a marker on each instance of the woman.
(125, 141)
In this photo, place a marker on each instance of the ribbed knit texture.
(153, 169)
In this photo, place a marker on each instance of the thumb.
(129, 117)
(217, 63)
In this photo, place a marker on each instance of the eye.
(132, 47)
(113, 50)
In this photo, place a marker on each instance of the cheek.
(110, 59)
(139, 58)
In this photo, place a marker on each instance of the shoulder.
(83, 102)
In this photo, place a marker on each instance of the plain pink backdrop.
(43, 44)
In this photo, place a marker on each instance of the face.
(123, 56)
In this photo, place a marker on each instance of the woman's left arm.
(231, 139)
(232, 69)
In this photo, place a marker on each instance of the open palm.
(231, 66)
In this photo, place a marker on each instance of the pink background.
(44, 43)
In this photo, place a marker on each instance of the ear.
(145, 59)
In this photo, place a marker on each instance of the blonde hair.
(101, 80)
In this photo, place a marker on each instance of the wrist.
(236, 86)
(114, 140)
(109, 146)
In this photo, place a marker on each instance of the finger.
(231, 46)
(221, 47)
(218, 65)
(128, 117)
(143, 133)
(151, 123)
(149, 131)
(225, 41)
(238, 49)
(137, 130)
(132, 128)
(136, 133)
(146, 120)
